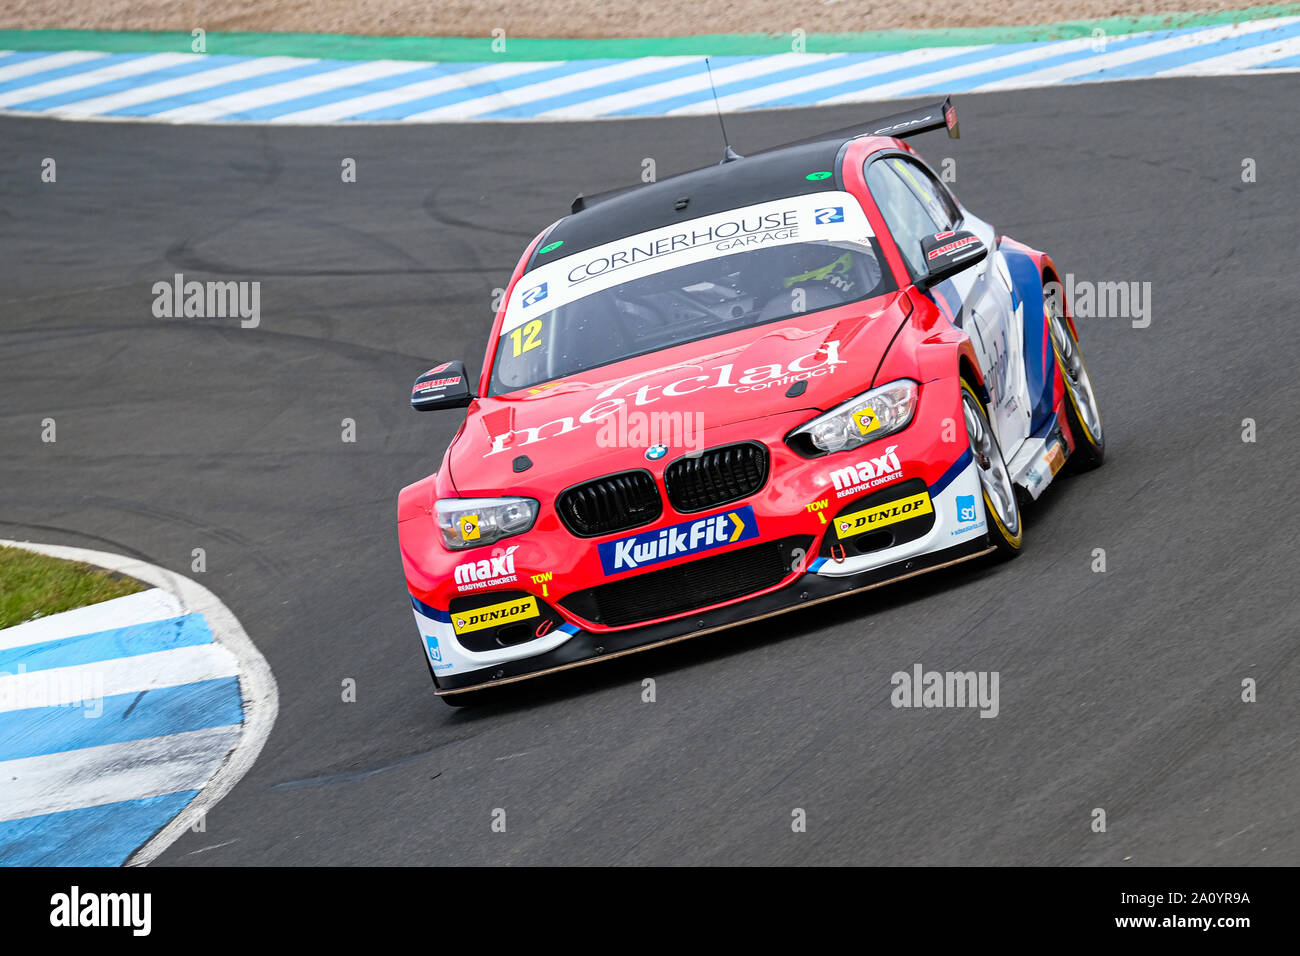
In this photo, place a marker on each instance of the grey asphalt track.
(1119, 690)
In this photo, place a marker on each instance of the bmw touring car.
(739, 391)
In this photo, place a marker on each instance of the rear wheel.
(1006, 531)
(1081, 401)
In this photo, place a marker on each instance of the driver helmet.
(817, 262)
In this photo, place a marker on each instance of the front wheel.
(1006, 531)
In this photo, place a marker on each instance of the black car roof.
(795, 169)
(762, 177)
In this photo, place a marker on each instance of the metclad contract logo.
(821, 361)
(689, 537)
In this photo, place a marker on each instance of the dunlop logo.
(494, 615)
(880, 516)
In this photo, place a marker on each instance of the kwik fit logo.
(689, 537)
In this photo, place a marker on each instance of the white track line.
(686, 84)
(852, 71)
(1067, 71)
(82, 683)
(256, 682)
(331, 112)
(582, 80)
(1238, 59)
(42, 63)
(182, 84)
(116, 71)
(112, 773)
(903, 87)
(143, 607)
(290, 89)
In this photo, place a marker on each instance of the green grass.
(32, 586)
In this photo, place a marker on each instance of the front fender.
(929, 347)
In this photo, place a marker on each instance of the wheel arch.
(968, 369)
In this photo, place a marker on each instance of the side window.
(936, 199)
(907, 217)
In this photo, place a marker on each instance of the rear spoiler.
(911, 122)
(582, 202)
(898, 125)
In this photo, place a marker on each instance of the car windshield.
(806, 258)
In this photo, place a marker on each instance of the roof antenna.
(729, 155)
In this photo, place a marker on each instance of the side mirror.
(443, 386)
(947, 253)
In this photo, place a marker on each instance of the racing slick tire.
(1006, 529)
(1081, 400)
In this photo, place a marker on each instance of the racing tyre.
(1081, 401)
(1006, 530)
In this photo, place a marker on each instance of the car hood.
(607, 418)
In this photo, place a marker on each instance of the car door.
(915, 205)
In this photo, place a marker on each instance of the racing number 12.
(526, 338)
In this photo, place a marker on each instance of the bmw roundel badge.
(655, 452)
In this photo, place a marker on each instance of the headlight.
(874, 414)
(470, 522)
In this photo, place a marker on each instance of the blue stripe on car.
(1028, 281)
(428, 610)
(947, 478)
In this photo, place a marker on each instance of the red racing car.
(743, 390)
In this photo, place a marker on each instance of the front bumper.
(820, 543)
(574, 647)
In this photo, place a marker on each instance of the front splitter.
(587, 647)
